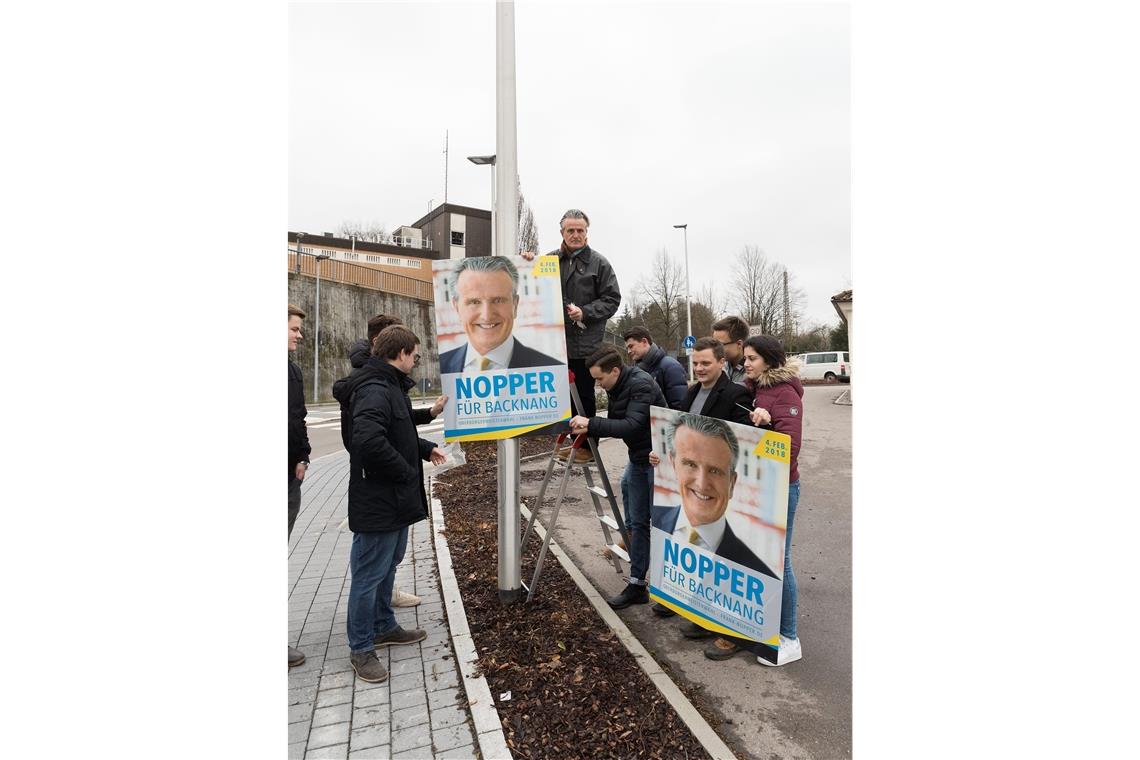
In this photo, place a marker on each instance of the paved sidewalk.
(417, 712)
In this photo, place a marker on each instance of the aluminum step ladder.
(598, 492)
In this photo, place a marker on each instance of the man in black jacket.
(343, 389)
(385, 496)
(590, 295)
(715, 394)
(299, 448)
(666, 371)
(631, 392)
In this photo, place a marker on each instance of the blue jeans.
(373, 561)
(789, 599)
(636, 498)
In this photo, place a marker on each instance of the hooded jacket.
(667, 373)
(385, 485)
(628, 417)
(780, 391)
(346, 386)
(588, 282)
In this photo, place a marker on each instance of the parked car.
(825, 365)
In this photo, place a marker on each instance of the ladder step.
(619, 551)
(599, 491)
(609, 521)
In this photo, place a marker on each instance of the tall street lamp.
(317, 332)
(688, 298)
(300, 237)
(488, 161)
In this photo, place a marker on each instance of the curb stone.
(485, 716)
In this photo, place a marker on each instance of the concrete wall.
(345, 311)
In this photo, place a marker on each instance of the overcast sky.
(731, 117)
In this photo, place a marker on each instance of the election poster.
(502, 345)
(718, 522)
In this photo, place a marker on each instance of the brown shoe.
(296, 657)
(721, 649)
(398, 636)
(368, 668)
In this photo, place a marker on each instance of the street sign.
(690, 341)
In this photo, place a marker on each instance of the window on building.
(457, 238)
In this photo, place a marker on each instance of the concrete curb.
(488, 727)
(703, 732)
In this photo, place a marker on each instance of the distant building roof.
(464, 210)
(363, 245)
(840, 297)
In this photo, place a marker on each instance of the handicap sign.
(690, 341)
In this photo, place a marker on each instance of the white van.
(825, 365)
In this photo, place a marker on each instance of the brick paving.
(419, 712)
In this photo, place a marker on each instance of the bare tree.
(758, 292)
(528, 230)
(373, 232)
(663, 289)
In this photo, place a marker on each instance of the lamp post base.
(511, 596)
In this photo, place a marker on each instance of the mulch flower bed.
(575, 690)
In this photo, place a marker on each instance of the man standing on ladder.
(590, 295)
(631, 392)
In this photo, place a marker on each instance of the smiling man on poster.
(502, 346)
(487, 302)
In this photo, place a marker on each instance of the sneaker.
(660, 610)
(631, 594)
(398, 636)
(691, 630)
(721, 649)
(368, 668)
(789, 651)
(404, 599)
(296, 657)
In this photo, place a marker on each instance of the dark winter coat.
(628, 412)
(588, 282)
(346, 386)
(723, 402)
(386, 478)
(299, 448)
(780, 391)
(667, 372)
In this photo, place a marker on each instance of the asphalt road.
(802, 710)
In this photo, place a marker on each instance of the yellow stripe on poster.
(773, 445)
(495, 435)
(545, 266)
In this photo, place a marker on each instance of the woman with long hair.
(777, 392)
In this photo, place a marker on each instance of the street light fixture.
(300, 236)
(488, 161)
(317, 332)
(688, 297)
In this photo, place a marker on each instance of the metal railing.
(365, 277)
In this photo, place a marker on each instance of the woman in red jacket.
(778, 401)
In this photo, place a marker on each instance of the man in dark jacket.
(732, 331)
(714, 394)
(358, 354)
(631, 392)
(299, 448)
(385, 496)
(663, 368)
(590, 294)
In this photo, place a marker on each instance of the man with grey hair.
(485, 296)
(703, 452)
(590, 295)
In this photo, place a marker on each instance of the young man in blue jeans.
(385, 496)
(631, 392)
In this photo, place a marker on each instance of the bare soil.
(575, 691)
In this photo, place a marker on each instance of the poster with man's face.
(502, 345)
(718, 522)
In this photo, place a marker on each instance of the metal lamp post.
(504, 222)
(688, 297)
(317, 331)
